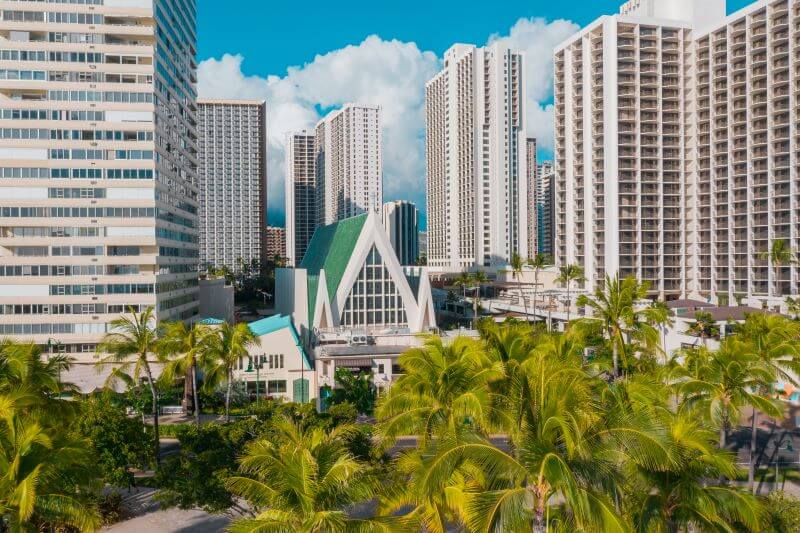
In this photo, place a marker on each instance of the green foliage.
(48, 475)
(195, 477)
(355, 389)
(302, 479)
(783, 513)
(120, 443)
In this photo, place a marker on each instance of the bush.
(783, 513)
(111, 508)
(195, 477)
(172, 431)
(120, 442)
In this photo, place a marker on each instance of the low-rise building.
(279, 364)
(351, 279)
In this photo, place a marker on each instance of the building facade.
(349, 163)
(301, 195)
(275, 243)
(98, 176)
(477, 198)
(351, 279)
(401, 222)
(545, 208)
(532, 177)
(233, 181)
(676, 156)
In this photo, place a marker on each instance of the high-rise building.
(349, 167)
(475, 156)
(401, 221)
(98, 167)
(675, 151)
(275, 243)
(301, 195)
(233, 181)
(545, 184)
(531, 170)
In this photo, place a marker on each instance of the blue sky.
(264, 38)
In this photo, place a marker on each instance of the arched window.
(374, 299)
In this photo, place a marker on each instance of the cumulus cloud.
(391, 74)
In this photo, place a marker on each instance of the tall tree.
(723, 386)
(775, 341)
(614, 305)
(567, 275)
(537, 264)
(517, 265)
(303, 480)
(704, 326)
(442, 389)
(183, 345)
(226, 347)
(659, 315)
(778, 256)
(130, 347)
(479, 279)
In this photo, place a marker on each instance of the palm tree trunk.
(751, 468)
(194, 395)
(615, 356)
(539, 520)
(154, 394)
(569, 305)
(722, 436)
(228, 396)
(524, 303)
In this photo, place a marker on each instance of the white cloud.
(391, 74)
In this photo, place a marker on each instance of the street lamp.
(258, 366)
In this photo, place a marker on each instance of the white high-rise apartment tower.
(349, 163)
(98, 158)
(475, 158)
(676, 147)
(301, 195)
(233, 181)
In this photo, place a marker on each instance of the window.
(374, 299)
(277, 386)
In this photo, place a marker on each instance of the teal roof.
(268, 325)
(330, 250)
(212, 322)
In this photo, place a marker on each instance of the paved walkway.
(146, 516)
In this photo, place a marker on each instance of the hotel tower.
(98, 159)
(676, 150)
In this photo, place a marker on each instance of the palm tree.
(303, 480)
(613, 305)
(565, 452)
(566, 275)
(22, 366)
(704, 326)
(659, 315)
(516, 272)
(443, 389)
(537, 264)
(132, 343)
(793, 305)
(779, 256)
(675, 495)
(226, 346)
(479, 278)
(46, 475)
(723, 386)
(183, 345)
(775, 341)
